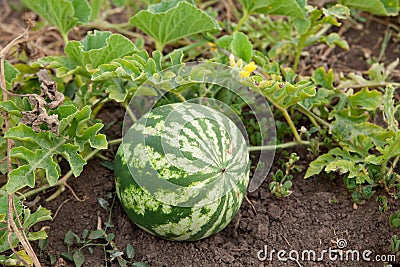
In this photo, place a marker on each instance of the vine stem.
(159, 46)
(65, 38)
(179, 96)
(299, 48)
(304, 110)
(242, 21)
(61, 182)
(371, 85)
(271, 147)
(396, 159)
(130, 112)
(291, 125)
(302, 42)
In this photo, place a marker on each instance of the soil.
(319, 214)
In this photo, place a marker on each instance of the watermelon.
(182, 171)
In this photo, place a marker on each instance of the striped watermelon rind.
(182, 171)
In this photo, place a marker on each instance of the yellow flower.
(244, 71)
(250, 67)
(213, 47)
(244, 74)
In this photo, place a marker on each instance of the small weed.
(383, 203)
(78, 245)
(281, 180)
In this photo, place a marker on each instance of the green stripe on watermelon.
(182, 171)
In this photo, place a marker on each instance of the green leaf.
(119, 2)
(43, 243)
(20, 177)
(98, 48)
(67, 256)
(320, 77)
(366, 99)
(4, 244)
(140, 264)
(14, 260)
(84, 57)
(394, 219)
(224, 41)
(339, 160)
(318, 165)
(47, 146)
(79, 258)
(40, 215)
(176, 57)
(10, 74)
(95, 6)
(291, 8)
(10, 107)
(241, 46)
(171, 20)
(390, 109)
(342, 166)
(82, 10)
(64, 65)
(123, 68)
(3, 154)
(69, 238)
(110, 237)
(392, 149)
(64, 14)
(334, 39)
(301, 25)
(377, 74)
(376, 7)
(96, 234)
(75, 124)
(39, 235)
(85, 233)
(286, 94)
(337, 11)
(130, 251)
(123, 76)
(98, 141)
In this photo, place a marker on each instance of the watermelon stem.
(313, 116)
(291, 124)
(130, 112)
(179, 96)
(285, 145)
